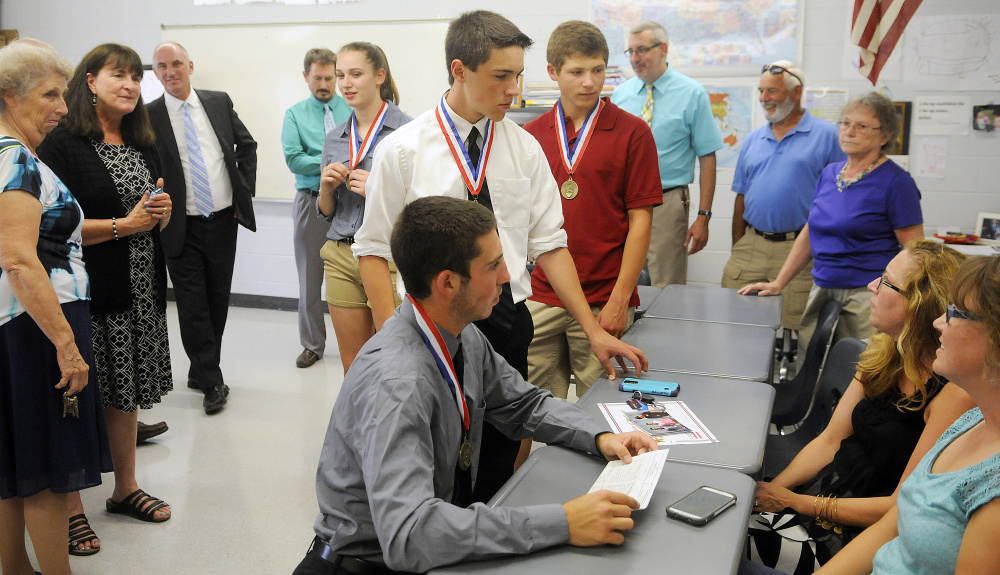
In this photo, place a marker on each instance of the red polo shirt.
(618, 172)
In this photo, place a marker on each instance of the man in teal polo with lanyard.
(302, 135)
(679, 113)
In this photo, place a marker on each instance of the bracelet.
(826, 513)
(114, 228)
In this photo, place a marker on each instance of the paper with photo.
(637, 479)
(678, 425)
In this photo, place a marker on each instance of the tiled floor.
(240, 482)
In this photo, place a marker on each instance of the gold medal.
(569, 189)
(465, 454)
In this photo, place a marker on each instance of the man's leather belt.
(777, 236)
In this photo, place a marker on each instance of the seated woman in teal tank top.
(947, 515)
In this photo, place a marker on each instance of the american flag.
(876, 27)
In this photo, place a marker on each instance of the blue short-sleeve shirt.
(682, 126)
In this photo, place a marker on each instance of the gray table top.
(647, 294)
(556, 475)
(715, 304)
(737, 412)
(735, 351)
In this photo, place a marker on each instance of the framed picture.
(988, 228)
(903, 138)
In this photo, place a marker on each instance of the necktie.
(461, 493)
(504, 311)
(647, 106)
(199, 175)
(328, 123)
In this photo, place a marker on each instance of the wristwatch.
(706, 213)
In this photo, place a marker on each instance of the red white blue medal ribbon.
(359, 148)
(571, 157)
(474, 176)
(439, 351)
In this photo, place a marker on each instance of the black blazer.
(239, 151)
(74, 159)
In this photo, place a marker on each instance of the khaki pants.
(755, 259)
(853, 319)
(343, 278)
(666, 259)
(559, 348)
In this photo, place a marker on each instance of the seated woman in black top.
(892, 412)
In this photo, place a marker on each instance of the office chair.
(793, 399)
(841, 365)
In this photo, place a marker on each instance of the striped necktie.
(328, 122)
(647, 106)
(199, 175)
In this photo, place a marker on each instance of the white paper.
(616, 415)
(825, 103)
(637, 479)
(930, 157)
(949, 115)
(954, 52)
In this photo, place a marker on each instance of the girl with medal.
(366, 84)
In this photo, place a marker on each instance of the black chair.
(644, 278)
(792, 399)
(841, 365)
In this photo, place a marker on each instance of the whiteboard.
(260, 67)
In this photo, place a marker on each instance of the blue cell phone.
(667, 388)
(156, 191)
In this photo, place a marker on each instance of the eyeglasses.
(846, 126)
(884, 282)
(641, 50)
(776, 70)
(955, 312)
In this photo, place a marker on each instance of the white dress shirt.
(415, 161)
(211, 151)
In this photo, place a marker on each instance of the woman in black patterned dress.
(103, 151)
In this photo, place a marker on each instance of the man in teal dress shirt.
(302, 135)
(680, 116)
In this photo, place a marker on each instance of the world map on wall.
(716, 33)
(732, 107)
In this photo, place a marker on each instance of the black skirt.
(39, 448)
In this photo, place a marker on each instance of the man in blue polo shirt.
(302, 135)
(679, 113)
(775, 181)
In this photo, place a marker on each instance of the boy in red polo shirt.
(604, 160)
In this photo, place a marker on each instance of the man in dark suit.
(209, 169)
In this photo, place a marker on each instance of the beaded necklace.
(843, 184)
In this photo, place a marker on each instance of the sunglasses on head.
(776, 70)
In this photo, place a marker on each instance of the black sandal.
(80, 533)
(140, 505)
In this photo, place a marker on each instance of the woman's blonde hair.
(885, 362)
(26, 62)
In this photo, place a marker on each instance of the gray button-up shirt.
(387, 467)
(347, 218)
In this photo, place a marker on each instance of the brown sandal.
(80, 533)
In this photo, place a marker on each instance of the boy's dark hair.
(435, 234)
(472, 37)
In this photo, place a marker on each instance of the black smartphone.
(701, 505)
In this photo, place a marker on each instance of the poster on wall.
(724, 35)
(733, 108)
(953, 52)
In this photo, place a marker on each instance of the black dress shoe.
(146, 432)
(215, 399)
(192, 384)
(306, 358)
